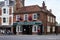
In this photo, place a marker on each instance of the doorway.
(14, 30)
(27, 29)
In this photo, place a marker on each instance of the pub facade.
(33, 19)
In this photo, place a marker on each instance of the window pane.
(20, 28)
(48, 18)
(17, 17)
(53, 29)
(34, 16)
(48, 28)
(34, 28)
(26, 17)
(4, 20)
(4, 10)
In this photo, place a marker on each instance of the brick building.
(6, 15)
(20, 19)
(7, 7)
(58, 28)
(28, 19)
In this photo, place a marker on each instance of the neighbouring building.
(20, 19)
(6, 14)
(58, 28)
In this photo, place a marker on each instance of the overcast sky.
(51, 4)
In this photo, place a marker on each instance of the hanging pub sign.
(21, 19)
(30, 18)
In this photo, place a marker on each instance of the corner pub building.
(20, 19)
(28, 19)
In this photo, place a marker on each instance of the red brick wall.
(10, 20)
(0, 20)
(42, 17)
(0, 11)
(10, 10)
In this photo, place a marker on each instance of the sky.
(51, 4)
(1, 0)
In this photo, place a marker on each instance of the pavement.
(30, 37)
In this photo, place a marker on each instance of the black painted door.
(27, 29)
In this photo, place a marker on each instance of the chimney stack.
(43, 5)
(18, 4)
(50, 10)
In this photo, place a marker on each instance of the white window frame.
(51, 19)
(7, 21)
(17, 17)
(25, 15)
(34, 29)
(18, 28)
(33, 16)
(48, 18)
(53, 29)
(3, 10)
(7, 10)
(48, 28)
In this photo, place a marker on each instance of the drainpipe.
(46, 23)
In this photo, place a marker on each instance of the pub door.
(27, 29)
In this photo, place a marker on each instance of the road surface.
(30, 37)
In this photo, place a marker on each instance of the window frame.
(33, 29)
(17, 17)
(4, 10)
(51, 19)
(48, 18)
(33, 16)
(48, 28)
(53, 29)
(26, 18)
(18, 28)
(4, 20)
(7, 10)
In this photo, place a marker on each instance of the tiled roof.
(51, 13)
(33, 8)
(26, 9)
(11, 3)
(2, 3)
